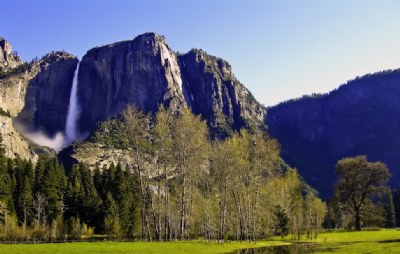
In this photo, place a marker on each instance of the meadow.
(132, 247)
(382, 241)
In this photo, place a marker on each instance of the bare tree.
(39, 210)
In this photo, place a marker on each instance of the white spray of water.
(71, 128)
(59, 140)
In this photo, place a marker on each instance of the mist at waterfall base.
(61, 139)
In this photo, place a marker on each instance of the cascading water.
(60, 140)
(71, 128)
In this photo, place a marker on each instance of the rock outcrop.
(34, 96)
(145, 72)
(46, 93)
(360, 118)
(211, 90)
(38, 95)
(8, 58)
(14, 143)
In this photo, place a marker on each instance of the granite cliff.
(33, 96)
(145, 72)
(8, 58)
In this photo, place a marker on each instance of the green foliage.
(281, 222)
(360, 184)
(178, 184)
(390, 211)
(110, 134)
(15, 71)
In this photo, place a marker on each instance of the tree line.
(180, 185)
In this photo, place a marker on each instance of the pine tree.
(111, 221)
(39, 175)
(24, 192)
(281, 222)
(396, 203)
(90, 200)
(5, 180)
(53, 186)
(390, 211)
(74, 193)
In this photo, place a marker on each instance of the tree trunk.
(357, 219)
(183, 209)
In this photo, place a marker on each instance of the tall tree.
(135, 136)
(6, 182)
(191, 148)
(359, 182)
(390, 211)
(53, 185)
(90, 203)
(163, 149)
(112, 220)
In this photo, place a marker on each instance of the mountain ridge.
(360, 117)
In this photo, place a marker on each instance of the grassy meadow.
(361, 242)
(373, 242)
(132, 247)
(337, 242)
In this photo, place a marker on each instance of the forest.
(182, 185)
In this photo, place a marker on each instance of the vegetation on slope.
(180, 185)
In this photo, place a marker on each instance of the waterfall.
(71, 128)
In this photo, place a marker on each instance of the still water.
(299, 248)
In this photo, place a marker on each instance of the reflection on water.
(288, 249)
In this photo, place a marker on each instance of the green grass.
(132, 247)
(361, 242)
(362, 236)
(338, 242)
(368, 247)
(358, 242)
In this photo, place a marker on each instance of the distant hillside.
(360, 117)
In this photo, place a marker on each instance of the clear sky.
(278, 49)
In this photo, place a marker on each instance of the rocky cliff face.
(360, 118)
(8, 59)
(145, 72)
(211, 90)
(35, 96)
(47, 93)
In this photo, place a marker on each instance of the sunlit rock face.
(8, 58)
(361, 117)
(145, 72)
(35, 98)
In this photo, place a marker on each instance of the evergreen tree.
(111, 221)
(90, 200)
(53, 188)
(390, 211)
(39, 175)
(24, 192)
(281, 222)
(74, 193)
(396, 203)
(5, 180)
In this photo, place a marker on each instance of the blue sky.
(278, 49)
